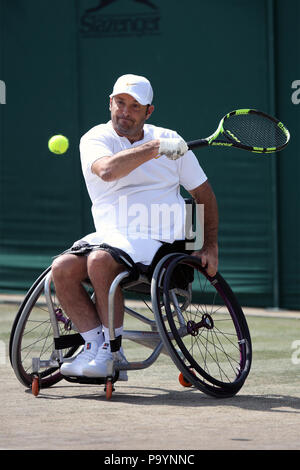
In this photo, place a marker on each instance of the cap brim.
(134, 95)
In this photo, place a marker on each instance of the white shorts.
(139, 249)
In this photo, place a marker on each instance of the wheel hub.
(206, 322)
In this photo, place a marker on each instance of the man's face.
(128, 116)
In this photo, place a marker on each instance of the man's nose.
(126, 111)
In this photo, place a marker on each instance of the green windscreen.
(59, 60)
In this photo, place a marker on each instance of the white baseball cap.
(138, 87)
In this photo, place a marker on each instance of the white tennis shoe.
(74, 367)
(97, 367)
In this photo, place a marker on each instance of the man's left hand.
(209, 259)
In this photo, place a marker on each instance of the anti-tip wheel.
(35, 385)
(109, 389)
(183, 381)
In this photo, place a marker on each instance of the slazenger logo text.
(120, 25)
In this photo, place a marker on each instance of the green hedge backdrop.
(59, 60)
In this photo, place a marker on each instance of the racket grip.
(197, 143)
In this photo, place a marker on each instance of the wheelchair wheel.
(202, 326)
(32, 336)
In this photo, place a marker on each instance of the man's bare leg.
(102, 270)
(68, 272)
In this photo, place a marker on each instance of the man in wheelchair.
(130, 168)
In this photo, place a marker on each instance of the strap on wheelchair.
(115, 344)
(68, 341)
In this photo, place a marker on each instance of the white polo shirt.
(147, 202)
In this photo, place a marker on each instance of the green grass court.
(276, 354)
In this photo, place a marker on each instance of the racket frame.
(233, 141)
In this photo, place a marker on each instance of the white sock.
(96, 334)
(118, 332)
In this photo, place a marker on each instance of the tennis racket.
(247, 129)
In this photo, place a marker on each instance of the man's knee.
(69, 267)
(101, 263)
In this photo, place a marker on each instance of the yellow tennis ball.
(58, 144)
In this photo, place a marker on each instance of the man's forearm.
(122, 163)
(209, 251)
(211, 222)
(205, 195)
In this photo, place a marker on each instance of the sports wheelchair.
(193, 318)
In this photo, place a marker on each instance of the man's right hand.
(173, 148)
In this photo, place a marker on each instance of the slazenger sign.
(98, 23)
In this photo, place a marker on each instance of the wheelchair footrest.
(86, 380)
(37, 364)
(91, 380)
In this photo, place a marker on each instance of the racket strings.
(254, 130)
